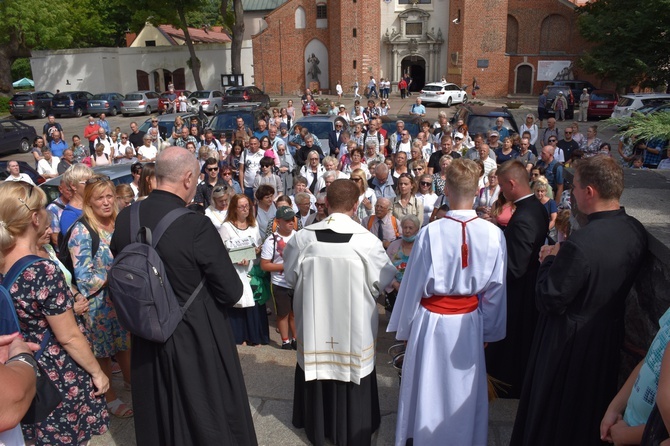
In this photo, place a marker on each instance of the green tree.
(21, 68)
(235, 23)
(653, 125)
(630, 40)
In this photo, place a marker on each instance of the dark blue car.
(70, 103)
(109, 103)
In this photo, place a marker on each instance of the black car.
(16, 136)
(250, 94)
(23, 168)
(577, 87)
(70, 103)
(569, 97)
(118, 173)
(412, 124)
(480, 119)
(31, 104)
(225, 121)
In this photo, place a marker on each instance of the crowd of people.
(466, 239)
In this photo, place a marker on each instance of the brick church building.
(509, 46)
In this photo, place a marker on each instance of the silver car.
(210, 100)
(140, 102)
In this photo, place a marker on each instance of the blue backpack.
(145, 302)
(9, 321)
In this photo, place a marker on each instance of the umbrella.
(25, 82)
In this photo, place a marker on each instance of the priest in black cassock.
(190, 389)
(525, 234)
(581, 291)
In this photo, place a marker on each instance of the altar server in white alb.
(451, 302)
(337, 269)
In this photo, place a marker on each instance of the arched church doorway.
(415, 66)
(524, 79)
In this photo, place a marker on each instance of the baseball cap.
(283, 125)
(285, 213)
(560, 92)
(343, 106)
(458, 135)
(494, 133)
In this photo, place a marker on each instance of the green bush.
(4, 105)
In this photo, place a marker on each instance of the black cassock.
(189, 390)
(525, 234)
(574, 364)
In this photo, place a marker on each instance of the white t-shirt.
(45, 167)
(252, 165)
(147, 153)
(273, 250)
(217, 216)
(22, 177)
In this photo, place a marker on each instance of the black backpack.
(63, 251)
(145, 302)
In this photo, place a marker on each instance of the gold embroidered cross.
(332, 343)
(329, 220)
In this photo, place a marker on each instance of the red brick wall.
(277, 64)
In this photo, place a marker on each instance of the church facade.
(506, 46)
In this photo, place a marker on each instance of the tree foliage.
(653, 125)
(631, 40)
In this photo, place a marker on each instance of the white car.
(443, 93)
(631, 102)
(211, 101)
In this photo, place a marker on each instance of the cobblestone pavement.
(268, 373)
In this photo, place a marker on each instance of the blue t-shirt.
(643, 394)
(551, 207)
(57, 148)
(68, 217)
(418, 109)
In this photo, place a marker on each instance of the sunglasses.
(212, 169)
(320, 205)
(553, 140)
(28, 195)
(418, 169)
(97, 179)
(220, 189)
(424, 183)
(357, 179)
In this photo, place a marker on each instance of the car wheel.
(125, 115)
(78, 112)
(25, 146)
(41, 113)
(216, 109)
(114, 111)
(449, 101)
(147, 111)
(465, 98)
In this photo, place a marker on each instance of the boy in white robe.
(452, 300)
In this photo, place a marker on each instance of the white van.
(629, 103)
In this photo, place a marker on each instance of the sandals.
(119, 409)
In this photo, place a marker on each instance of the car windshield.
(625, 102)
(234, 92)
(100, 96)
(603, 97)
(61, 97)
(482, 124)
(134, 97)
(21, 97)
(228, 121)
(200, 94)
(433, 88)
(318, 129)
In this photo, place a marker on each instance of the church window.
(299, 18)
(321, 11)
(354, 32)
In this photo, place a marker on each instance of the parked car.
(576, 86)
(139, 102)
(24, 167)
(319, 126)
(655, 108)
(109, 103)
(249, 94)
(412, 124)
(28, 104)
(443, 93)
(210, 100)
(15, 136)
(162, 101)
(70, 103)
(225, 121)
(118, 173)
(481, 119)
(629, 103)
(166, 123)
(601, 104)
(569, 97)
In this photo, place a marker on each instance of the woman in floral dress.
(107, 336)
(43, 305)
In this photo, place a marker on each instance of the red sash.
(450, 304)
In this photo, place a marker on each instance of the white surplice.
(336, 286)
(443, 393)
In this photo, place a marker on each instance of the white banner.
(554, 70)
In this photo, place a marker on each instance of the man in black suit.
(525, 234)
(190, 389)
(334, 138)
